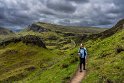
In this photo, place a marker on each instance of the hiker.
(82, 54)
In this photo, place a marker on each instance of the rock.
(31, 39)
(68, 34)
(119, 49)
(28, 39)
(37, 28)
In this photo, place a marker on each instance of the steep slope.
(105, 61)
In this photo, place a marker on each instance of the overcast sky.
(20, 13)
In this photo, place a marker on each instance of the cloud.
(79, 1)
(62, 6)
(20, 13)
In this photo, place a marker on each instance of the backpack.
(84, 52)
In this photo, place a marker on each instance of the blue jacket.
(82, 52)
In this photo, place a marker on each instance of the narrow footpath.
(78, 77)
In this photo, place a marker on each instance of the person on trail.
(82, 52)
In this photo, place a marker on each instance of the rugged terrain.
(106, 54)
(41, 47)
(47, 53)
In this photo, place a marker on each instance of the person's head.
(81, 45)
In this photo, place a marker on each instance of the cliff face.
(37, 28)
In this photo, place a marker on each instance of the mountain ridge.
(107, 33)
(52, 27)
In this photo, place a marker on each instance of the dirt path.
(78, 76)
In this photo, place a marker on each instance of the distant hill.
(60, 34)
(4, 31)
(43, 27)
(109, 32)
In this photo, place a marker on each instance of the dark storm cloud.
(79, 1)
(62, 6)
(21, 13)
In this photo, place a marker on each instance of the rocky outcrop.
(37, 28)
(35, 40)
(4, 31)
(28, 39)
(68, 34)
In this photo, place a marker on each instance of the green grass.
(22, 63)
(58, 73)
(17, 59)
(31, 64)
(61, 72)
(52, 40)
(105, 64)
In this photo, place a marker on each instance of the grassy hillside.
(106, 58)
(57, 36)
(20, 60)
(104, 64)
(22, 63)
(61, 72)
(25, 63)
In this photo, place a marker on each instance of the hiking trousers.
(82, 61)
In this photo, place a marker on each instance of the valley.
(47, 53)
